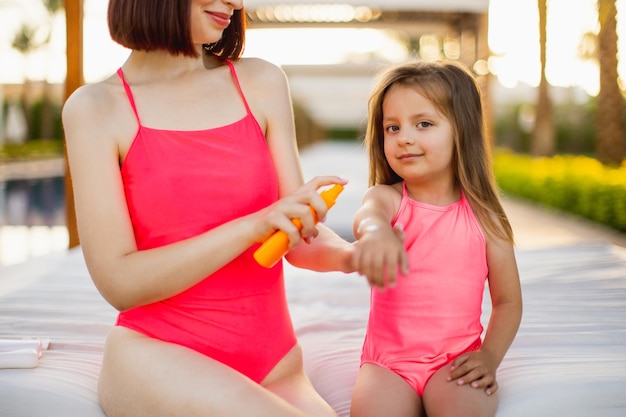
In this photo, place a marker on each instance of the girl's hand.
(379, 255)
(476, 369)
(297, 205)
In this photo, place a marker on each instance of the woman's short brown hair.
(146, 26)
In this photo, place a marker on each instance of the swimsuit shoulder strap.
(234, 74)
(129, 94)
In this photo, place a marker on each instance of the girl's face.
(418, 140)
(209, 18)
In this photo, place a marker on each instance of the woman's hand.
(304, 204)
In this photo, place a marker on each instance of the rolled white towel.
(11, 345)
(45, 343)
(23, 358)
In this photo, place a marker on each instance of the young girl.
(182, 162)
(430, 172)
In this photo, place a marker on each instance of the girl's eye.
(391, 128)
(424, 124)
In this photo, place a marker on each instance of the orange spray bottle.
(277, 245)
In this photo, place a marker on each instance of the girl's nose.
(406, 138)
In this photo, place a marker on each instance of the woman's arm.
(125, 276)
(322, 249)
(97, 121)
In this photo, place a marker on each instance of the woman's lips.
(222, 19)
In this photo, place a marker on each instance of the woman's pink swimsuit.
(433, 314)
(179, 184)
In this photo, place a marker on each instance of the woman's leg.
(288, 381)
(444, 398)
(145, 377)
(380, 392)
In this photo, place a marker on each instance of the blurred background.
(549, 70)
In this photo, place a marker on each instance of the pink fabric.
(179, 184)
(433, 314)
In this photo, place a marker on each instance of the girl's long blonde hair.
(456, 95)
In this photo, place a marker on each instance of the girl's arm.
(96, 120)
(326, 252)
(506, 299)
(479, 368)
(379, 252)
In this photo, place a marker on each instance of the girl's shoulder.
(386, 190)
(388, 196)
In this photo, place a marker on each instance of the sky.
(513, 39)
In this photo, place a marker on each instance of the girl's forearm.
(327, 252)
(502, 329)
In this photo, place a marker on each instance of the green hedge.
(576, 184)
(33, 149)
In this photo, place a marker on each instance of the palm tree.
(24, 43)
(27, 40)
(73, 80)
(610, 118)
(47, 115)
(543, 132)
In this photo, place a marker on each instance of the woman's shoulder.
(257, 69)
(99, 110)
(257, 63)
(92, 98)
(266, 89)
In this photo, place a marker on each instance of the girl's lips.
(409, 157)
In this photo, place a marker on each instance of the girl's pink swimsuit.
(179, 184)
(433, 314)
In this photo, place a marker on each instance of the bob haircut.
(145, 26)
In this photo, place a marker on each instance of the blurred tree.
(24, 43)
(73, 80)
(610, 116)
(542, 143)
(28, 39)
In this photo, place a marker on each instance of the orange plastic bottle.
(277, 245)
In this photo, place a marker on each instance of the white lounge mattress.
(569, 358)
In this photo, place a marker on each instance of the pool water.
(32, 218)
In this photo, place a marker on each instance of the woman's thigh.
(381, 392)
(446, 398)
(288, 381)
(146, 377)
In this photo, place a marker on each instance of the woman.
(182, 162)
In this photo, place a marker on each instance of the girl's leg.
(145, 377)
(381, 392)
(447, 399)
